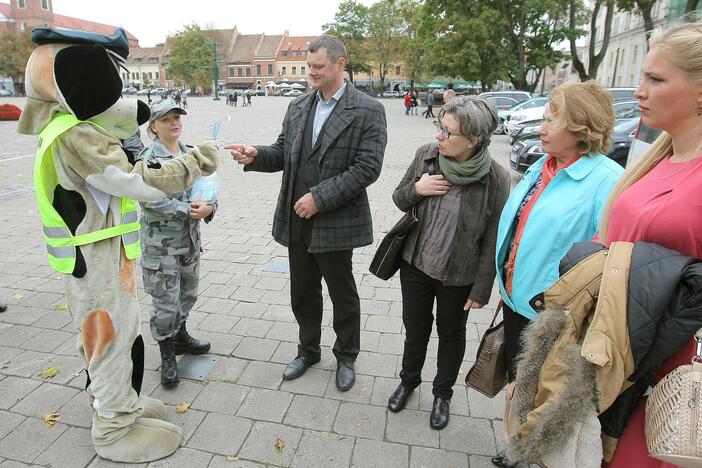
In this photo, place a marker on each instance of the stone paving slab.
(244, 406)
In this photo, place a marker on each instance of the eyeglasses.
(445, 133)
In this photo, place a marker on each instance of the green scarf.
(468, 171)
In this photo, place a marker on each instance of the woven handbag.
(388, 257)
(489, 372)
(674, 414)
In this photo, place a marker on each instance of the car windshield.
(531, 103)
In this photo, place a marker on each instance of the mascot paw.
(153, 408)
(147, 440)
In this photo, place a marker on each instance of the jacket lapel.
(296, 125)
(341, 117)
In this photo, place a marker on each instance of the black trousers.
(514, 325)
(418, 293)
(429, 112)
(306, 273)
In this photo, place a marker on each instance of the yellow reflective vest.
(60, 242)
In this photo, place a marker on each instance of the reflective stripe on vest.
(60, 243)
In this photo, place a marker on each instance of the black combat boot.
(184, 343)
(169, 366)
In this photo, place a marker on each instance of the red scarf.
(548, 172)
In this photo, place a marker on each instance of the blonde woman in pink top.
(659, 200)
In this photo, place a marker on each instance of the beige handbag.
(674, 414)
(489, 372)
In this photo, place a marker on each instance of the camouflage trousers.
(172, 282)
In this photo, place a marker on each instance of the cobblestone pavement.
(243, 406)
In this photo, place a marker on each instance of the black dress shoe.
(298, 367)
(398, 399)
(345, 375)
(501, 460)
(439, 413)
(184, 343)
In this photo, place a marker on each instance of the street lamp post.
(215, 72)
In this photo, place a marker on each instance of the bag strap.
(698, 347)
(499, 308)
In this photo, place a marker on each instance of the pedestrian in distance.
(557, 203)
(248, 99)
(330, 149)
(415, 103)
(408, 103)
(170, 238)
(430, 105)
(458, 192)
(185, 101)
(235, 98)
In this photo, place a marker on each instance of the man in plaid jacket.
(330, 149)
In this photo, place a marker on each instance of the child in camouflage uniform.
(170, 239)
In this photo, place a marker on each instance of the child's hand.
(199, 210)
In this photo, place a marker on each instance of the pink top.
(663, 207)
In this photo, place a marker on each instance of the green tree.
(644, 8)
(191, 57)
(411, 43)
(16, 49)
(384, 33)
(351, 26)
(466, 39)
(532, 28)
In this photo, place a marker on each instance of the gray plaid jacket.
(350, 159)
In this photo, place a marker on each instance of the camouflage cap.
(162, 108)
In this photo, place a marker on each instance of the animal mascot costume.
(86, 190)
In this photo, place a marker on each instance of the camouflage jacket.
(166, 225)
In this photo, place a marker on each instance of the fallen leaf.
(182, 407)
(232, 458)
(17, 296)
(62, 307)
(279, 444)
(460, 371)
(49, 373)
(51, 419)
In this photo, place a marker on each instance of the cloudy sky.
(152, 20)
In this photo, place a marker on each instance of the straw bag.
(674, 414)
(489, 373)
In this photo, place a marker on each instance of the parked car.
(6, 92)
(506, 114)
(528, 150)
(519, 96)
(524, 115)
(641, 139)
(502, 102)
(129, 90)
(260, 92)
(294, 93)
(525, 129)
(623, 107)
(392, 94)
(144, 91)
(621, 94)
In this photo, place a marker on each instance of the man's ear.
(143, 112)
(88, 79)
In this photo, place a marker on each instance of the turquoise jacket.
(568, 211)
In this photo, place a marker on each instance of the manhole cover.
(196, 367)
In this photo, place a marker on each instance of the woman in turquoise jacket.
(557, 203)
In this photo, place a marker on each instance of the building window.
(153, 60)
(258, 70)
(231, 72)
(285, 70)
(21, 4)
(157, 75)
(635, 54)
(621, 60)
(304, 53)
(45, 5)
(302, 70)
(397, 69)
(239, 72)
(270, 69)
(248, 71)
(294, 53)
(23, 26)
(284, 53)
(150, 76)
(294, 70)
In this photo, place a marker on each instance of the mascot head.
(76, 72)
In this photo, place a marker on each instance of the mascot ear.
(88, 79)
(143, 112)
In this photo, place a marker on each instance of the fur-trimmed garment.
(614, 316)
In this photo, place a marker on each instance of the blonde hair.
(682, 45)
(585, 110)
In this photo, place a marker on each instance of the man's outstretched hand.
(243, 154)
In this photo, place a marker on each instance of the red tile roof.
(61, 21)
(294, 43)
(5, 9)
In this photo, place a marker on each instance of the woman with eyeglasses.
(558, 202)
(458, 191)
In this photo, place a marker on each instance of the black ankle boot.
(184, 343)
(169, 367)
